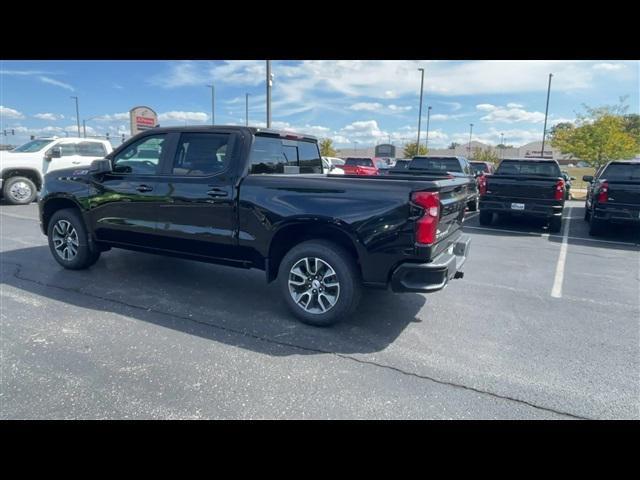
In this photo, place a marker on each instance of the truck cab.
(23, 168)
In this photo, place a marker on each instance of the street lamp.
(77, 115)
(546, 112)
(269, 85)
(213, 104)
(426, 144)
(501, 144)
(470, 133)
(420, 109)
(84, 125)
(246, 108)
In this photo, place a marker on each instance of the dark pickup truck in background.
(613, 195)
(430, 167)
(524, 187)
(256, 198)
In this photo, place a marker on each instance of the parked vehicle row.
(258, 198)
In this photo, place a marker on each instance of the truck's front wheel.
(320, 282)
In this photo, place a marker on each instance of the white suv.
(23, 169)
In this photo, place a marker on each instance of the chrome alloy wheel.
(20, 191)
(65, 240)
(313, 285)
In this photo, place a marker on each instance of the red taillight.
(427, 225)
(560, 190)
(482, 185)
(603, 192)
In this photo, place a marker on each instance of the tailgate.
(453, 202)
(522, 187)
(624, 193)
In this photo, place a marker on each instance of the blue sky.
(350, 101)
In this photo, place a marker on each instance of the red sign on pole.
(142, 118)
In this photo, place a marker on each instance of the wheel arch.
(51, 205)
(30, 173)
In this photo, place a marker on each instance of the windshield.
(436, 164)
(622, 171)
(524, 167)
(361, 162)
(32, 146)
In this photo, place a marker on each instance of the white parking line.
(556, 291)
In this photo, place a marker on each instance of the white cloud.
(609, 66)
(398, 108)
(176, 116)
(190, 73)
(515, 105)
(516, 137)
(49, 116)
(370, 107)
(55, 82)
(7, 112)
(486, 107)
(115, 117)
(508, 114)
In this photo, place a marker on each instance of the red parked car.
(363, 166)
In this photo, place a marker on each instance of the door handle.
(217, 192)
(144, 188)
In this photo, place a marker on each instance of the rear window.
(359, 162)
(436, 164)
(479, 167)
(622, 171)
(279, 155)
(523, 167)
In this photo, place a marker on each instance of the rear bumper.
(532, 208)
(433, 276)
(618, 214)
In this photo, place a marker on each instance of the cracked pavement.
(143, 336)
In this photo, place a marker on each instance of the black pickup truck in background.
(613, 195)
(524, 187)
(430, 167)
(257, 198)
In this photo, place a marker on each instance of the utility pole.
(77, 115)
(246, 108)
(470, 133)
(420, 109)
(269, 85)
(213, 103)
(502, 145)
(546, 112)
(426, 144)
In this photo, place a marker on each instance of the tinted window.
(32, 146)
(68, 149)
(479, 167)
(91, 149)
(622, 171)
(401, 165)
(523, 167)
(436, 164)
(360, 162)
(141, 157)
(202, 154)
(272, 155)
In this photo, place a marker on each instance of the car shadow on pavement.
(224, 304)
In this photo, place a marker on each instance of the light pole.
(470, 133)
(246, 108)
(213, 103)
(501, 144)
(77, 115)
(84, 125)
(420, 109)
(426, 144)
(355, 147)
(269, 85)
(546, 112)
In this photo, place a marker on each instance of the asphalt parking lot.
(541, 327)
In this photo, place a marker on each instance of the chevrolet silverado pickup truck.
(527, 187)
(256, 198)
(429, 167)
(613, 195)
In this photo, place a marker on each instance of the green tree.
(484, 155)
(326, 148)
(410, 150)
(632, 124)
(551, 133)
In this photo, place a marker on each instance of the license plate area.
(517, 206)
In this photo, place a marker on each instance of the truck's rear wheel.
(19, 190)
(320, 282)
(485, 218)
(69, 242)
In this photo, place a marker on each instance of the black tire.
(346, 274)
(84, 256)
(19, 190)
(555, 225)
(587, 214)
(486, 218)
(473, 205)
(596, 226)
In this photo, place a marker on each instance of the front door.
(124, 203)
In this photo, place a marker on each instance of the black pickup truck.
(256, 198)
(527, 187)
(430, 167)
(613, 195)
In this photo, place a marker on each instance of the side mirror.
(587, 178)
(101, 166)
(54, 152)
